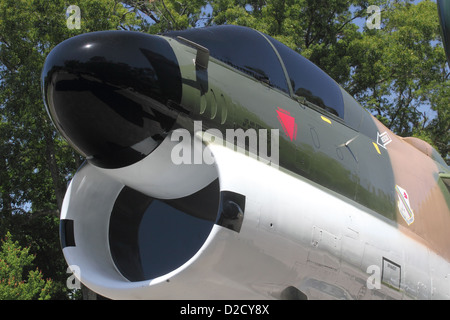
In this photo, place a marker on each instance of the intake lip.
(110, 94)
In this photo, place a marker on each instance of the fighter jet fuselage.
(221, 164)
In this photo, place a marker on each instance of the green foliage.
(35, 162)
(17, 281)
(401, 74)
(165, 15)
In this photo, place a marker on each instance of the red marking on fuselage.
(288, 123)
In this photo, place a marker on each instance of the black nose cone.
(110, 94)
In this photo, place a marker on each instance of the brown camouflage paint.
(417, 173)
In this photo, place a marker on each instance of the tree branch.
(170, 14)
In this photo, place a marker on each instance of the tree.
(35, 162)
(400, 73)
(40, 162)
(167, 15)
(17, 279)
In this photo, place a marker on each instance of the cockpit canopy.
(268, 60)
